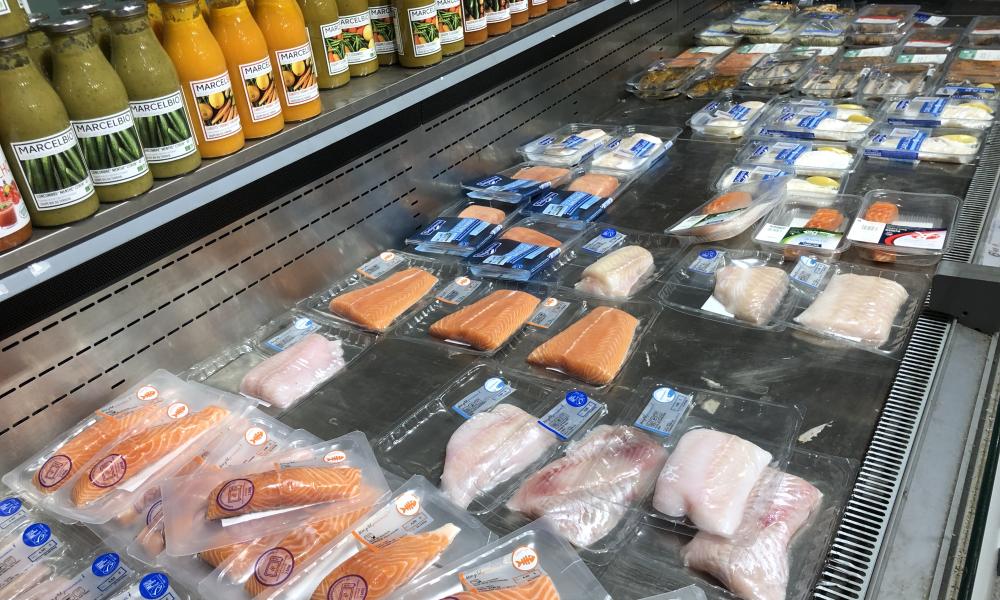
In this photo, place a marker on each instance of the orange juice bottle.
(284, 29)
(201, 66)
(250, 69)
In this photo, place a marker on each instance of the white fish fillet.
(489, 449)
(758, 570)
(858, 307)
(616, 275)
(294, 372)
(587, 492)
(708, 478)
(752, 294)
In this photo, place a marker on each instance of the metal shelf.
(360, 104)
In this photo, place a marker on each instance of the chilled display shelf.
(365, 101)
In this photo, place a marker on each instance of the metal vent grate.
(976, 206)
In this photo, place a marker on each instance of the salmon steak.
(595, 184)
(827, 219)
(131, 456)
(881, 212)
(376, 306)
(493, 216)
(61, 466)
(727, 202)
(375, 573)
(488, 322)
(525, 235)
(282, 488)
(540, 588)
(281, 380)
(593, 349)
(541, 173)
(858, 307)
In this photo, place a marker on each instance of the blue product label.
(899, 144)
(105, 564)
(516, 256)
(803, 135)
(573, 141)
(545, 141)
(567, 417)
(9, 506)
(609, 238)
(664, 410)
(578, 206)
(154, 585)
(484, 398)
(642, 148)
(760, 150)
(789, 152)
(457, 231)
(813, 121)
(933, 106)
(36, 535)
(499, 183)
(739, 112)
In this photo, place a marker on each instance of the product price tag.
(608, 239)
(810, 271)
(292, 334)
(548, 312)
(707, 262)
(666, 407)
(516, 256)
(380, 265)
(153, 586)
(511, 570)
(713, 305)
(484, 398)
(567, 417)
(458, 290)
(405, 515)
(796, 235)
(572, 205)
(935, 59)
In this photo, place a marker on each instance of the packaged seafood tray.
(567, 146)
(844, 303)
(730, 115)
(828, 10)
(616, 264)
(914, 144)
(108, 462)
(517, 184)
(153, 583)
(866, 56)
(583, 199)
(525, 249)
(84, 571)
(971, 72)
(808, 223)
(533, 562)
(755, 21)
(739, 60)
(778, 72)
(719, 33)
(410, 534)
(834, 82)
(463, 228)
(743, 174)
(284, 360)
(931, 111)
(822, 32)
(859, 38)
(932, 40)
(634, 149)
(934, 59)
(743, 287)
(825, 55)
(709, 84)
(782, 35)
(884, 18)
(663, 78)
(888, 82)
(904, 228)
(588, 345)
(381, 292)
(703, 55)
(817, 120)
(828, 159)
(483, 432)
(730, 213)
(984, 31)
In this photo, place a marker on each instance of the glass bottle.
(13, 19)
(537, 8)
(475, 21)
(450, 26)
(284, 28)
(518, 11)
(419, 39)
(99, 26)
(383, 17)
(498, 18)
(154, 92)
(98, 107)
(356, 25)
(39, 46)
(330, 52)
(43, 153)
(155, 18)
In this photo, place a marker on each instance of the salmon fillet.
(282, 488)
(374, 573)
(488, 322)
(530, 236)
(133, 454)
(59, 467)
(597, 185)
(727, 202)
(538, 173)
(377, 306)
(541, 588)
(882, 212)
(593, 349)
(828, 219)
(493, 216)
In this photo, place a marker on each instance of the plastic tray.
(711, 222)
(803, 157)
(784, 230)
(868, 55)
(453, 235)
(820, 185)
(690, 287)
(863, 38)
(984, 31)
(506, 187)
(833, 81)
(887, 82)
(884, 18)
(971, 72)
(918, 236)
(822, 32)
(819, 120)
(709, 84)
(728, 116)
(719, 34)
(628, 154)
(567, 203)
(778, 72)
(963, 113)
(755, 21)
(709, 55)
(517, 261)
(663, 78)
(742, 58)
(825, 55)
(566, 146)
(913, 144)
(782, 35)
(932, 40)
(743, 174)
(834, 9)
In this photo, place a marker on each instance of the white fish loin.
(284, 378)
(618, 273)
(752, 294)
(708, 478)
(489, 449)
(858, 307)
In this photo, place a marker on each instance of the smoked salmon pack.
(584, 198)
(804, 224)
(727, 214)
(285, 360)
(463, 228)
(517, 184)
(532, 563)
(406, 535)
(213, 508)
(904, 228)
(482, 432)
(109, 461)
(379, 294)
(522, 251)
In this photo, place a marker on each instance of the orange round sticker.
(178, 410)
(387, 256)
(463, 281)
(147, 392)
(551, 302)
(524, 558)
(255, 436)
(335, 456)
(408, 504)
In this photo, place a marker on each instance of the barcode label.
(458, 290)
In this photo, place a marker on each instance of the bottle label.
(298, 73)
(539, 2)
(13, 212)
(475, 15)
(424, 29)
(384, 28)
(518, 6)
(262, 94)
(449, 14)
(497, 11)
(4, 8)
(54, 170)
(111, 146)
(334, 47)
(213, 99)
(164, 128)
(357, 31)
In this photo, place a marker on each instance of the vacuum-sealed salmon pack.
(213, 508)
(482, 432)
(109, 461)
(285, 360)
(584, 198)
(517, 184)
(532, 563)
(413, 533)
(525, 249)
(462, 228)
(98, 575)
(380, 293)
(730, 213)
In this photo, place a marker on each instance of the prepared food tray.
(719, 33)
(936, 111)
(884, 18)
(904, 228)
(822, 32)
(663, 78)
(825, 55)
(730, 115)
(829, 159)
(914, 144)
(864, 56)
(984, 31)
(828, 10)
(755, 21)
(633, 149)
(887, 82)
(817, 120)
(971, 72)
(730, 213)
(740, 174)
(807, 223)
(838, 81)
(932, 40)
(567, 146)
(784, 34)
(742, 58)
(778, 72)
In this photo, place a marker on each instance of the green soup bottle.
(327, 39)
(98, 107)
(39, 142)
(38, 43)
(13, 19)
(154, 92)
(99, 26)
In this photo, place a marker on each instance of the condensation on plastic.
(97, 575)
(764, 196)
(715, 120)
(796, 210)
(550, 149)
(186, 499)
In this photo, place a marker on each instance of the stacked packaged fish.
(730, 213)
(728, 116)
(819, 168)
(727, 72)
(882, 24)
(970, 72)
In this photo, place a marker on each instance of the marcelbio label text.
(211, 86)
(60, 142)
(157, 106)
(303, 52)
(104, 125)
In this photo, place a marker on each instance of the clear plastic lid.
(634, 149)
(782, 35)
(931, 111)
(817, 185)
(913, 144)
(568, 145)
(756, 21)
(664, 77)
(885, 82)
(583, 199)
(518, 183)
(463, 227)
(904, 227)
(709, 84)
(778, 72)
(864, 38)
(719, 34)
(709, 55)
(829, 159)
(525, 248)
(729, 116)
(825, 55)
(864, 56)
(971, 72)
(829, 10)
(822, 32)
(805, 224)
(833, 81)
(730, 213)
(817, 119)
(883, 18)
(984, 31)
(930, 40)
(746, 56)
(738, 174)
